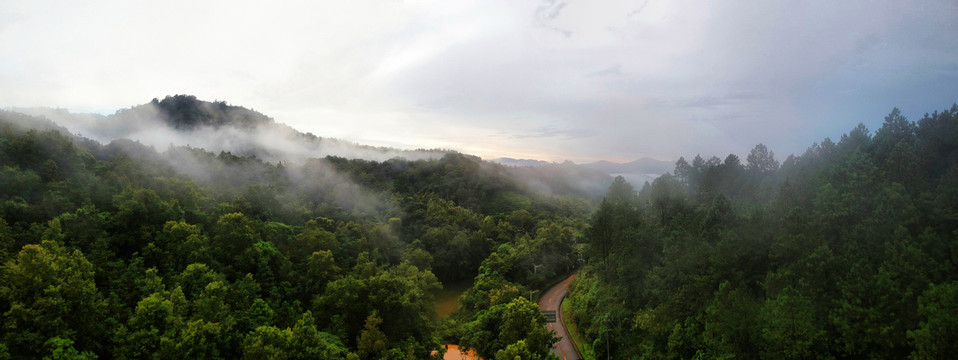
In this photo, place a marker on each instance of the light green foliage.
(232, 235)
(259, 314)
(143, 207)
(267, 342)
(489, 289)
(62, 349)
(211, 305)
(51, 293)
(309, 343)
(199, 339)
(503, 325)
(182, 244)
(303, 341)
(521, 320)
(517, 351)
(154, 322)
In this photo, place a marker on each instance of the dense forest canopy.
(120, 250)
(847, 251)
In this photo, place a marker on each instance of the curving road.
(552, 300)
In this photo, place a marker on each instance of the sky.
(555, 80)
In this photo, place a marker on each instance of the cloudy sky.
(556, 80)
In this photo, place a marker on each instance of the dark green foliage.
(510, 328)
(121, 251)
(614, 221)
(831, 254)
(937, 335)
(185, 112)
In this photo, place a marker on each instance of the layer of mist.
(563, 178)
(636, 172)
(215, 126)
(187, 133)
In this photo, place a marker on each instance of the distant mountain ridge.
(183, 121)
(217, 126)
(519, 162)
(641, 166)
(636, 172)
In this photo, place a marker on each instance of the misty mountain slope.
(563, 178)
(18, 121)
(185, 121)
(206, 184)
(636, 172)
(640, 166)
(185, 112)
(183, 124)
(725, 259)
(519, 162)
(234, 249)
(272, 183)
(478, 185)
(258, 188)
(216, 126)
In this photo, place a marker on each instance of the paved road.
(552, 300)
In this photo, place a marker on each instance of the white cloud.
(551, 79)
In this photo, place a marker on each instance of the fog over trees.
(182, 228)
(845, 251)
(121, 250)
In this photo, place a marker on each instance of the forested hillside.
(119, 250)
(216, 126)
(122, 251)
(848, 251)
